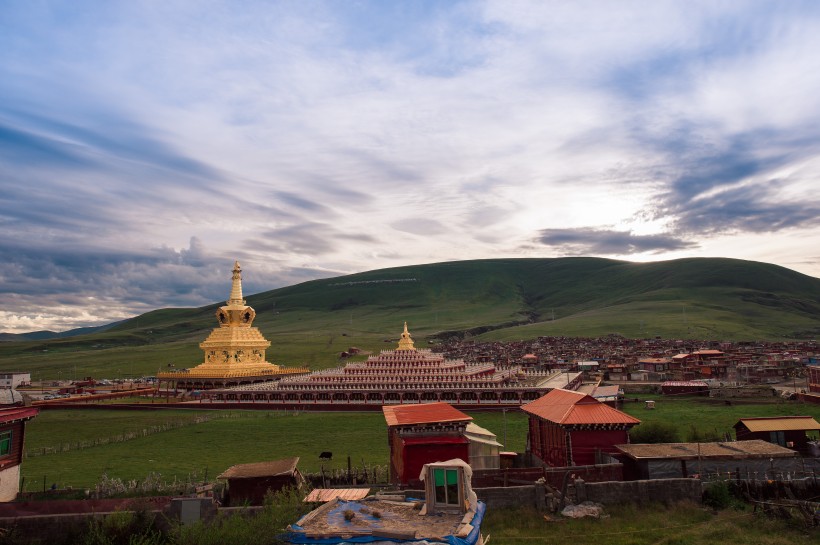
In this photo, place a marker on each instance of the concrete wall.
(666, 491)
(9, 483)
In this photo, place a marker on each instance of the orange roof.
(425, 413)
(708, 352)
(571, 408)
(779, 423)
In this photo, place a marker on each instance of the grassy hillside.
(310, 323)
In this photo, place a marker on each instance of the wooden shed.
(249, 483)
(676, 460)
(786, 431)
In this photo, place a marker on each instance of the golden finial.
(406, 342)
(236, 287)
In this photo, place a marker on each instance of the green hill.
(310, 323)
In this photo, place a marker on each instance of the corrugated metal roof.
(690, 451)
(272, 468)
(684, 383)
(425, 413)
(780, 423)
(12, 415)
(573, 408)
(327, 494)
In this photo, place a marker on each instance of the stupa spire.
(236, 287)
(406, 341)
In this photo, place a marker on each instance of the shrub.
(694, 435)
(654, 432)
(717, 495)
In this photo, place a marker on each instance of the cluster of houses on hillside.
(617, 358)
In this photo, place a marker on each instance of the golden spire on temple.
(236, 287)
(406, 342)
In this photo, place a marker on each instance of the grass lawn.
(708, 414)
(213, 445)
(684, 524)
(188, 448)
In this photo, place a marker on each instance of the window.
(5, 443)
(446, 483)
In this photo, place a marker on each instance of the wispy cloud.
(144, 147)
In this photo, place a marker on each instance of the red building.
(422, 434)
(569, 428)
(12, 432)
(814, 379)
(786, 431)
(687, 387)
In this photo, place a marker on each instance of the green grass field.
(234, 437)
(708, 415)
(683, 524)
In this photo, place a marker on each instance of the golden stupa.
(234, 351)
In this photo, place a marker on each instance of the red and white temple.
(404, 375)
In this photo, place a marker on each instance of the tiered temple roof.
(406, 367)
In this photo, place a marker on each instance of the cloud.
(311, 139)
(419, 226)
(591, 241)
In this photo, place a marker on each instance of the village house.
(569, 428)
(423, 434)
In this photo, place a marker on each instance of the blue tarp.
(295, 537)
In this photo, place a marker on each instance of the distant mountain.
(503, 299)
(45, 335)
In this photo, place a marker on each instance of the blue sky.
(144, 146)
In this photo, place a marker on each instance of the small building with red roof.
(12, 433)
(423, 434)
(569, 428)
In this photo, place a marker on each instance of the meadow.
(183, 444)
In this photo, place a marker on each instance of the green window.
(5, 443)
(446, 481)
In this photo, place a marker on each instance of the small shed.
(786, 431)
(485, 450)
(422, 434)
(675, 460)
(249, 483)
(570, 428)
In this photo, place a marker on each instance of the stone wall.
(666, 491)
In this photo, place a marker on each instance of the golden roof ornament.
(236, 286)
(406, 342)
(236, 313)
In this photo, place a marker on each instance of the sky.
(146, 145)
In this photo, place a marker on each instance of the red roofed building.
(422, 434)
(12, 433)
(569, 428)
